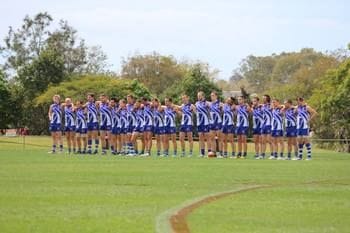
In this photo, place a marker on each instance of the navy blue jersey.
(56, 114)
(69, 116)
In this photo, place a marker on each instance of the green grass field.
(61, 193)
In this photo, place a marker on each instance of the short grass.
(62, 193)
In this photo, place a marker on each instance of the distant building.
(227, 94)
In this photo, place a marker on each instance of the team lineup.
(127, 126)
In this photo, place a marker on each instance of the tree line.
(39, 59)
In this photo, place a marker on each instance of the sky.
(219, 32)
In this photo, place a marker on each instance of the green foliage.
(155, 71)
(5, 102)
(332, 103)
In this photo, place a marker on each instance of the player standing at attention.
(257, 126)
(266, 127)
(304, 115)
(186, 111)
(92, 123)
(148, 125)
(158, 125)
(55, 117)
(215, 123)
(203, 119)
(277, 130)
(170, 126)
(113, 105)
(291, 128)
(131, 123)
(69, 123)
(81, 127)
(123, 113)
(242, 110)
(228, 128)
(105, 122)
(138, 130)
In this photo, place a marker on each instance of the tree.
(155, 71)
(5, 102)
(332, 102)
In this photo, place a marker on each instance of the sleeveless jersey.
(277, 119)
(69, 116)
(215, 113)
(56, 114)
(258, 117)
(242, 116)
(303, 117)
(186, 119)
(158, 118)
(267, 115)
(105, 115)
(170, 115)
(202, 113)
(80, 119)
(227, 115)
(92, 113)
(290, 118)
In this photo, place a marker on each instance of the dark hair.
(155, 99)
(289, 101)
(301, 99)
(144, 98)
(131, 96)
(169, 99)
(268, 98)
(123, 101)
(114, 99)
(257, 98)
(91, 94)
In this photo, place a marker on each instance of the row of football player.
(124, 121)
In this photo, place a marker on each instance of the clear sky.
(220, 32)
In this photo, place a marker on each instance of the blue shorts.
(131, 128)
(138, 129)
(303, 132)
(291, 132)
(55, 127)
(148, 128)
(81, 130)
(123, 130)
(277, 133)
(266, 129)
(158, 130)
(116, 130)
(228, 129)
(170, 130)
(257, 131)
(217, 126)
(105, 127)
(203, 128)
(92, 126)
(186, 128)
(69, 128)
(242, 130)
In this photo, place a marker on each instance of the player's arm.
(50, 113)
(312, 112)
(193, 108)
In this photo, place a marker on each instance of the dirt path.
(178, 220)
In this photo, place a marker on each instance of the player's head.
(68, 101)
(241, 100)
(168, 101)
(255, 101)
(288, 103)
(155, 102)
(103, 98)
(130, 99)
(229, 100)
(266, 99)
(56, 99)
(300, 101)
(275, 102)
(78, 103)
(200, 95)
(90, 97)
(113, 102)
(144, 100)
(185, 99)
(214, 96)
(137, 103)
(122, 103)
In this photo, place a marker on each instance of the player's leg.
(103, 134)
(190, 141)
(201, 143)
(78, 141)
(73, 141)
(166, 137)
(224, 143)
(97, 142)
(173, 139)
(60, 139)
(308, 146)
(182, 143)
(256, 139)
(281, 146)
(158, 143)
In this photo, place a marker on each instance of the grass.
(61, 193)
